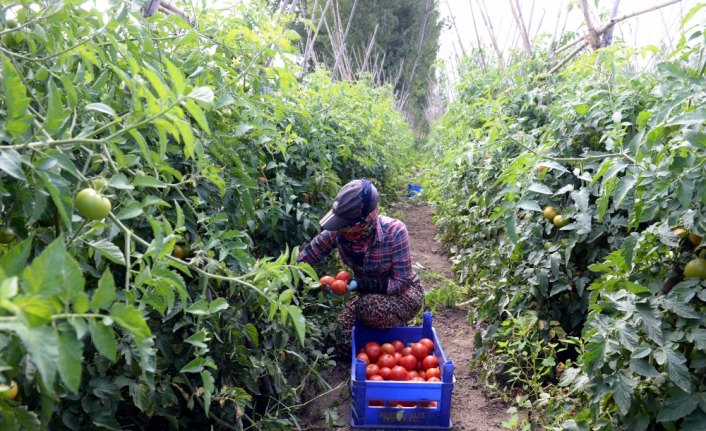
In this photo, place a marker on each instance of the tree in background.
(395, 41)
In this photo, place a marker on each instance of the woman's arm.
(318, 249)
(402, 273)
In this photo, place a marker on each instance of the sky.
(653, 28)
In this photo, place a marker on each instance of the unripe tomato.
(343, 275)
(550, 212)
(340, 287)
(7, 235)
(695, 238)
(9, 392)
(180, 251)
(560, 221)
(696, 268)
(92, 205)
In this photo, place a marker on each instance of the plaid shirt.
(388, 256)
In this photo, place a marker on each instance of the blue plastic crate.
(367, 416)
(413, 190)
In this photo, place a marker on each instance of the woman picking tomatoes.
(376, 248)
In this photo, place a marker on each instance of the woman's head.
(353, 204)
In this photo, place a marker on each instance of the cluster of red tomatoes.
(395, 361)
(338, 285)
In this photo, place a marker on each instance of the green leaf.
(198, 115)
(38, 311)
(217, 305)
(622, 392)
(198, 339)
(195, 366)
(11, 163)
(42, 345)
(17, 118)
(15, 260)
(101, 107)
(104, 295)
(198, 308)
(130, 319)
(298, 321)
(539, 188)
(187, 137)
(252, 334)
(103, 339)
(676, 406)
(109, 250)
(70, 360)
(177, 78)
(81, 303)
(208, 388)
(44, 275)
(643, 368)
(8, 288)
(202, 94)
(147, 181)
(625, 185)
(56, 113)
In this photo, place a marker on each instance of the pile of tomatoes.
(395, 361)
(340, 285)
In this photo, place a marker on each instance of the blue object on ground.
(413, 190)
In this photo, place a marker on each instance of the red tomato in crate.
(429, 344)
(409, 362)
(376, 377)
(413, 374)
(430, 362)
(428, 404)
(388, 348)
(419, 351)
(418, 379)
(433, 372)
(387, 360)
(385, 372)
(433, 379)
(376, 403)
(399, 374)
(398, 345)
(373, 351)
(363, 357)
(397, 356)
(406, 351)
(371, 370)
(422, 374)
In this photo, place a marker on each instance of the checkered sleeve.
(402, 273)
(318, 249)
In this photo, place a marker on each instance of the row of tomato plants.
(595, 323)
(151, 299)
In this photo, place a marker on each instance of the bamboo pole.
(480, 45)
(342, 47)
(514, 7)
(489, 26)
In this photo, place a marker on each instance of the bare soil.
(470, 409)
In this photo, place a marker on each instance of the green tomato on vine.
(92, 205)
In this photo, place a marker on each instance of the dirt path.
(470, 410)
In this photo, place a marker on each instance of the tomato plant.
(156, 133)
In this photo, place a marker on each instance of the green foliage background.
(591, 324)
(201, 137)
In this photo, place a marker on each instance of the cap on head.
(352, 204)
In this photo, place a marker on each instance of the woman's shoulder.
(391, 225)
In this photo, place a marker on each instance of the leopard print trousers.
(378, 311)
